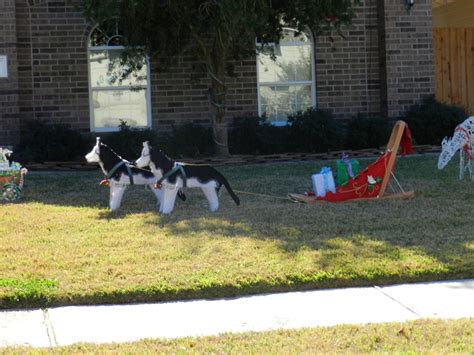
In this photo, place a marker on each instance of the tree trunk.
(220, 139)
(218, 101)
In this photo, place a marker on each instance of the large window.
(286, 82)
(116, 93)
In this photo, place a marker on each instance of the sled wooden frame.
(392, 146)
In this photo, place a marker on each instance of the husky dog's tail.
(231, 192)
(223, 181)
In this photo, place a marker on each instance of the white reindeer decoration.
(462, 140)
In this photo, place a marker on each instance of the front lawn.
(61, 245)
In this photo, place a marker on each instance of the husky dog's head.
(94, 155)
(144, 159)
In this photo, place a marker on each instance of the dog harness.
(177, 167)
(118, 165)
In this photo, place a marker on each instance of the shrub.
(432, 120)
(254, 135)
(274, 139)
(244, 135)
(128, 141)
(46, 141)
(366, 132)
(189, 140)
(314, 131)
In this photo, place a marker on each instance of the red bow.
(407, 148)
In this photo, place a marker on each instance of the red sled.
(372, 182)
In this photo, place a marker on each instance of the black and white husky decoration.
(120, 173)
(173, 176)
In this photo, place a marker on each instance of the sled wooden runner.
(372, 182)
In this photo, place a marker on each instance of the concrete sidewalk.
(124, 323)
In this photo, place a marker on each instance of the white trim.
(112, 88)
(285, 83)
(148, 93)
(3, 66)
(313, 69)
(312, 83)
(105, 48)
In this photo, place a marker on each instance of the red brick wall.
(9, 121)
(409, 59)
(53, 62)
(179, 94)
(382, 66)
(347, 68)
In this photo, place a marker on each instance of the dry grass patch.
(417, 337)
(61, 245)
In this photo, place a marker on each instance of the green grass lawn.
(417, 337)
(61, 245)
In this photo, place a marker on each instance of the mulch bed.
(238, 159)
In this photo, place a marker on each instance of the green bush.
(46, 141)
(128, 141)
(274, 139)
(254, 135)
(366, 132)
(188, 140)
(244, 135)
(432, 120)
(314, 131)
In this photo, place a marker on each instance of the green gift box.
(342, 172)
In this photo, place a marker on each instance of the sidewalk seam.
(397, 301)
(49, 328)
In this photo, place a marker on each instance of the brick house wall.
(383, 65)
(348, 68)
(409, 61)
(9, 108)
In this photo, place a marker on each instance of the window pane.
(106, 70)
(111, 106)
(267, 69)
(302, 97)
(108, 34)
(277, 102)
(296, 63)
(293, 63)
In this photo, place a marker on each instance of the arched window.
(116, 93)
(286, 84)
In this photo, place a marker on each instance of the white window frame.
(287, 83)
(115, 88)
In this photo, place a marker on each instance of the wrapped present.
(323, 182)
(345, 170)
